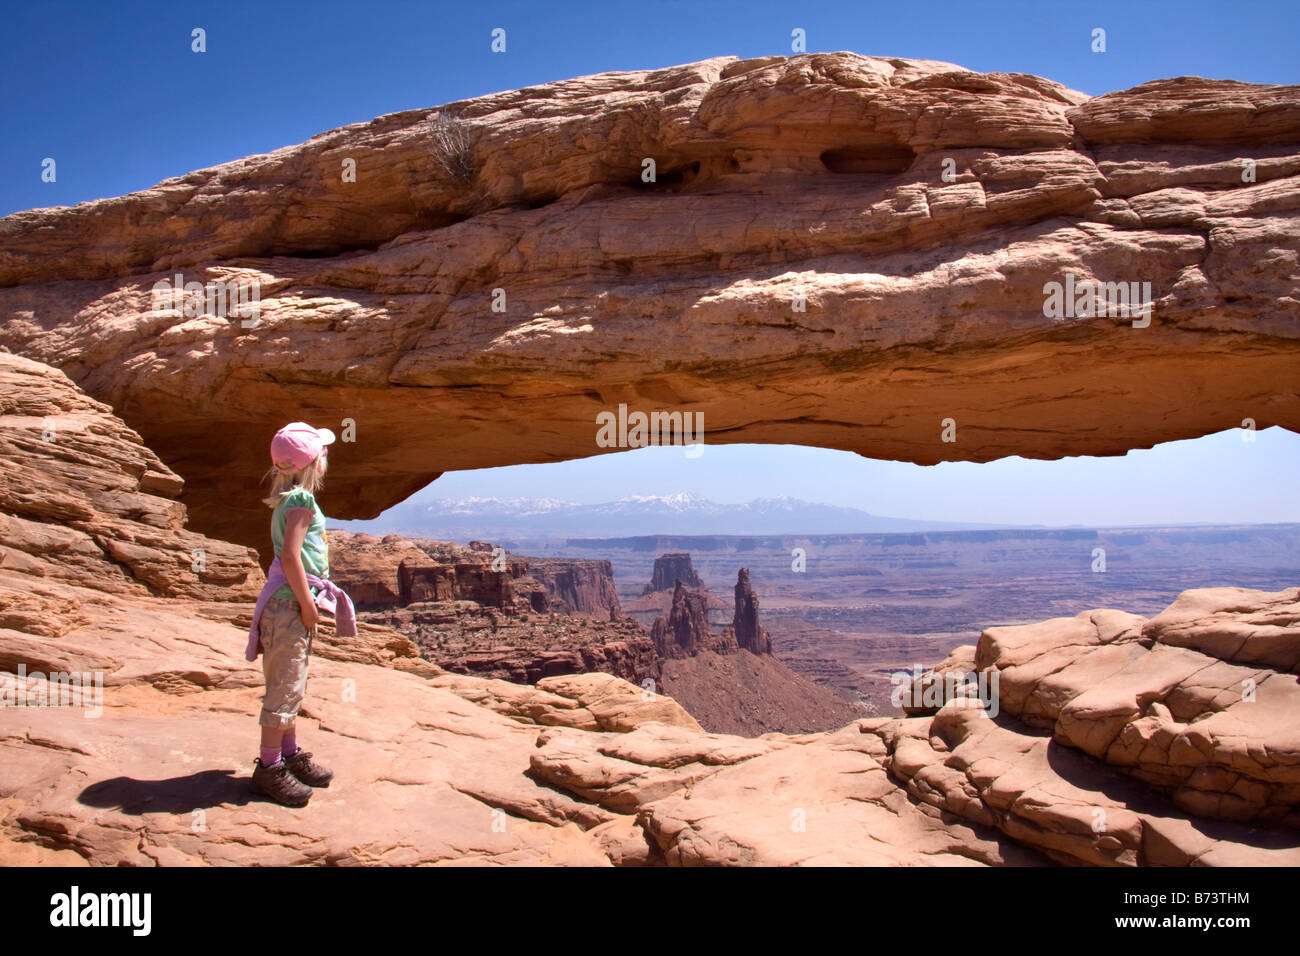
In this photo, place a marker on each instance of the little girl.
(285, 617)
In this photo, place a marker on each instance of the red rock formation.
(367, 567)
(669, 569)
(483, 585)
(918, 207)
(92, 546)
(648, 607)
(749, 634)
(633, 659)
(519, 624)
(426, 583)
(685, 631)
(578, 587)
(396, 570)
(1199, 701)
(517, 644)
(165, 643)
(731, 692)
(83, 501)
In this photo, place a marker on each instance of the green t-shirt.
(315, 550)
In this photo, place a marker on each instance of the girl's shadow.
(207, 788)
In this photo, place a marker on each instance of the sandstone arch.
(821, 174)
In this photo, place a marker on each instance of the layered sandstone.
(916, 209)
(83, 501)
(684, 630)
(648, 608)
(396, 570)
(466, 637)
(532, 619)
(578, 587)
(1199, 701)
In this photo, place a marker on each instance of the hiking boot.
(308, 771)
(278, 783)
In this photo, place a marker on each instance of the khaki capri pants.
(286, 648)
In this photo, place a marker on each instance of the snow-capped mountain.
(682, 513)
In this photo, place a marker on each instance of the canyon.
(863, 607)
(536, 618)
(475, 610)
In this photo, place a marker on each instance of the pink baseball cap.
(297, 445)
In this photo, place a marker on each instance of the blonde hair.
(309, 479)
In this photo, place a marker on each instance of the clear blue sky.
(112, 91)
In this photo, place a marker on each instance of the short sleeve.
(299, 498)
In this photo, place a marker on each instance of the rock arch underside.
(820, 175)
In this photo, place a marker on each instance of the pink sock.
(289, 745)
(270, 756)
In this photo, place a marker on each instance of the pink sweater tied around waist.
(332, 599)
